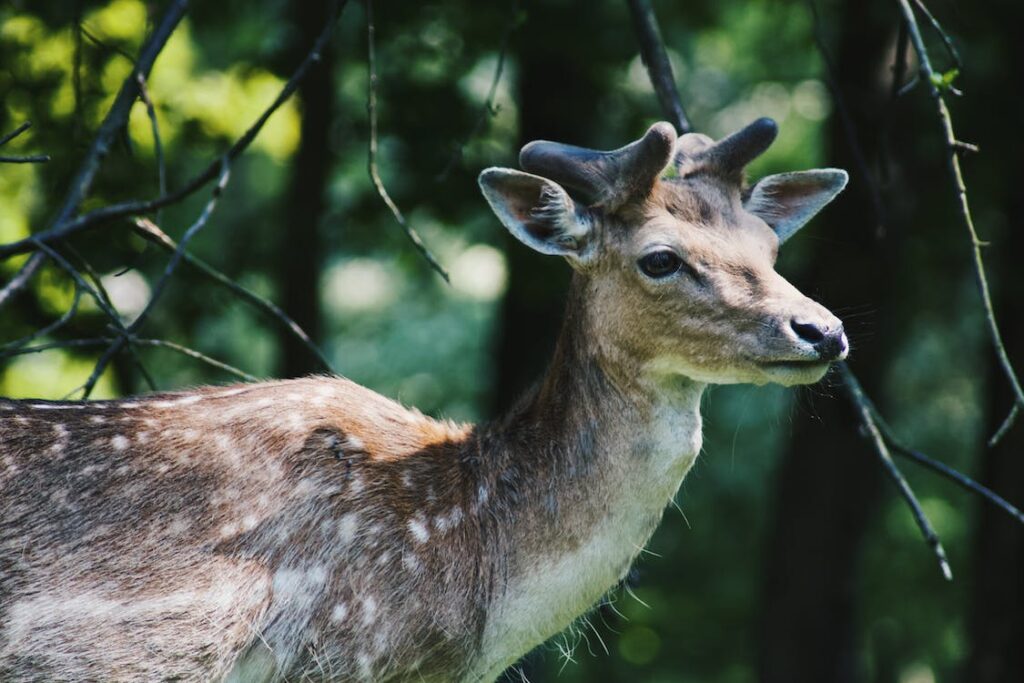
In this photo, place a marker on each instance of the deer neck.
(583, 468)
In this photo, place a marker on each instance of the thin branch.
(161, 284)
(158, 147)
(155, 343)
(192, 353)
(371, 107)
(864, 413)
(9, 348)
(15, 133)
(154, 234)
(960, 189)
(101, 301)
(114, 121)
(954, 54)
(63, 344)
(67, 227)
(659, 68)
(490, 109)
(958, 478)
(33, 159)
(99, 42)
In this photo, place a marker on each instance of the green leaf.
(944, 81)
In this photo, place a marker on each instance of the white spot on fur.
(355, 444)
(142, 437)
(98, 419)
(445, 522)
(119, 442)
(419, 530)
(339, 612)
(365, 668)
(369, 604)
(348, 527)
(411, 562)
(355, 485)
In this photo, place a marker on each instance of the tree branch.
(872, 432)
(659, 69)
(154, 234)
(956, 176)
(114, 121)
(67, 227)
(489, 109)
(371, 107)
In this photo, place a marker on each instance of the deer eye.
(660, 264)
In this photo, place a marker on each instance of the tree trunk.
(301, 246)
(829, 478)
(996, 626)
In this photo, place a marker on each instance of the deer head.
(674, 256)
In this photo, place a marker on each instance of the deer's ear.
(788, 200)
(539, 213)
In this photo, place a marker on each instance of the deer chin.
(792, 372)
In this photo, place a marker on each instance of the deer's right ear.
(539, 213)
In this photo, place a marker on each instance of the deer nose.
(829, 341)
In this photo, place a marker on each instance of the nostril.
(809, 332)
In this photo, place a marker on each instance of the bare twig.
(960, 189)
(490, 109)
(15, 133)
(154, 234)
(155, 343)
(62, 344)
(659, 69)
(68, 227)
(864, 414)
(160, 286)
(99, 42)
(114, 121)
(958, 478)
(954, 54)
(158, 147)
(371, 107)
(9, 348)
(33, 159)
(192, 353)
(101, 301)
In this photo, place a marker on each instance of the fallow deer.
(313, 529)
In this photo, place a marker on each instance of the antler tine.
(606, 179)
(730, 154)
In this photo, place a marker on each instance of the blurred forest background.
(795, 561)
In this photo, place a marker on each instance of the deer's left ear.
(539, 213)
(788, 200)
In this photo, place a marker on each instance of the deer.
(312, 529)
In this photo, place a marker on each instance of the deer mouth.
(789, 372)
